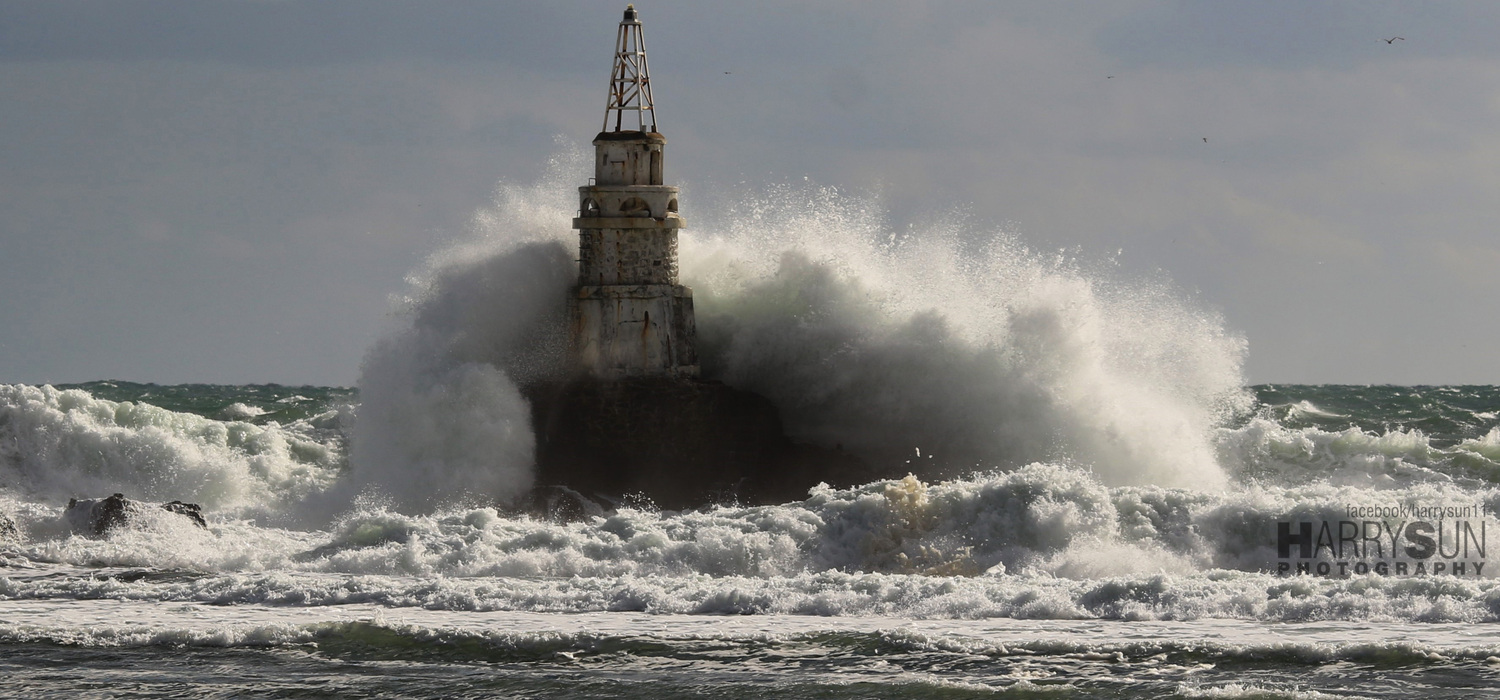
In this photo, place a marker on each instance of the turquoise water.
(272, 402)
(1447, 415)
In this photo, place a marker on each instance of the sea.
(1038, 581)
(1081, 496)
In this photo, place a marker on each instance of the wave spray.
(940, 350)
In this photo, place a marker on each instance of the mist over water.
(441, 415)
(942, 351)
(957, 342)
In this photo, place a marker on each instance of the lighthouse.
(634, 417)
(628, 315)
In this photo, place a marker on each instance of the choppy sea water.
(1097, 505)
(1036, 580)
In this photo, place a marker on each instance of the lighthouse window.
(635, 206)
(590, 207)
(672, 205)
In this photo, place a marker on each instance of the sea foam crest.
(1266, 450)
(1044, 541)
(56, 444)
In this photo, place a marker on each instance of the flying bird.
(1205, 139)
(1394, 39)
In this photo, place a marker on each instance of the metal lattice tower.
(630, 81)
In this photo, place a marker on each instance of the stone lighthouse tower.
(629, 316)
(634, 417)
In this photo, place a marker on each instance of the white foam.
(1263, 449)
(1253, 690)
(1045, 541)
(956, 341)
(947, 340)
(1487, 446)
(141, 623)
(240, 411)
(57, 444)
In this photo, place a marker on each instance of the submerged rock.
(95, 517)
(679, 443)
(563, 504)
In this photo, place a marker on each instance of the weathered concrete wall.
(627, 256)
(635, 330)
(682, 443)
(629, 317)
(628, 158)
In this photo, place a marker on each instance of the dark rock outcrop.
(8, 530)
(95, 517)
(680, 443)
(189, 510)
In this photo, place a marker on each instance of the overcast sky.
(229, 191)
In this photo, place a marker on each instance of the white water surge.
(950, 342)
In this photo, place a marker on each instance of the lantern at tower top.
(630, 81)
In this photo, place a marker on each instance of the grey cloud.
(288, 33)
(1291, 34)
(228, 191)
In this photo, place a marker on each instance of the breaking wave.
(957, 342)
(1044, 541)
(59, 443)
(941, 351)
(1080, 447)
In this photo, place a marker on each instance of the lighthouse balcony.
(628, 202)
(671, 222)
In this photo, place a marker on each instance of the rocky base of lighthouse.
(679, 442)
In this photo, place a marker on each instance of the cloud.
(1292, 35)
(269, 33)
(181, 181)
(1471, 266)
